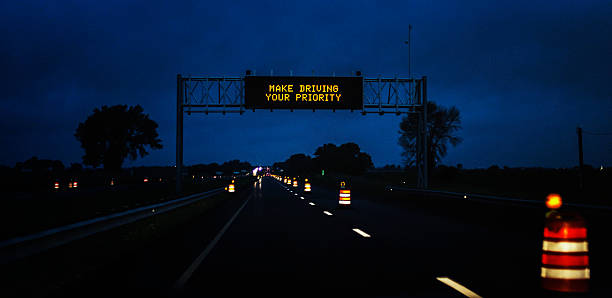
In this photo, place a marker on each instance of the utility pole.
(422, 146)
(580, 160)
(408, 43)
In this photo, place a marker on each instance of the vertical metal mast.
(409, 32)
(421, 142)
(179, 133)
(409, 60)
(424, 136)
(580, 159)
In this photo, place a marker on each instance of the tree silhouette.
(347, 158)
(41, 165)
(442, 126)
(299, 164)
(113, 133)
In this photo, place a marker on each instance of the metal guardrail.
(20, 247)
(493, 198)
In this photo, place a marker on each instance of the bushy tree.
(443, 124)
(347, 158)
(111, 134)
(299, 164)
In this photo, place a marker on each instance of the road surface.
(274, 240)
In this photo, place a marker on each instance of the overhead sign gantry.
(367, 95)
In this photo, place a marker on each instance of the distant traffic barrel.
(565, 260)
(306, 185)
(231, 188)
(295, 183)
(56, 185)
(344, 198)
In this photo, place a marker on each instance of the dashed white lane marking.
(362, 233)
(458, 287)
(187, 274)
(311, 203)
(328, 213)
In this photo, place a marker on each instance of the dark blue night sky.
(523, 74)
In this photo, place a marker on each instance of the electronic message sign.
(262, 92)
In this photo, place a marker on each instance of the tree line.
(344, 159)
(111, 134)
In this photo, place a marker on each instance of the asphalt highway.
(286, 241)
(275, 240)
(281, 244)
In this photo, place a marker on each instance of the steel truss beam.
(380, 96)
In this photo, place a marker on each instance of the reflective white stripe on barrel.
(566, 273)
(344, 202)
(565, 246)
(345, 195)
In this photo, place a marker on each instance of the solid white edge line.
(187, 274)
(362, 233)
(458, 287)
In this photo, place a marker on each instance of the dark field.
(524, 183)
(23, 213)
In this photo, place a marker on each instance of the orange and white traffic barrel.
(295, 184)
(565, 259)
(344, 198)
(285, 180)
(56, 185)
(306, 185)
(231, 188)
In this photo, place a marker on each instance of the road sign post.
(179, 133)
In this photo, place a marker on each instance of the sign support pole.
(422, 161)
(425, 131)
(179, 134)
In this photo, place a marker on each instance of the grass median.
(46, 210)
(51, 271)
(523, 183)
